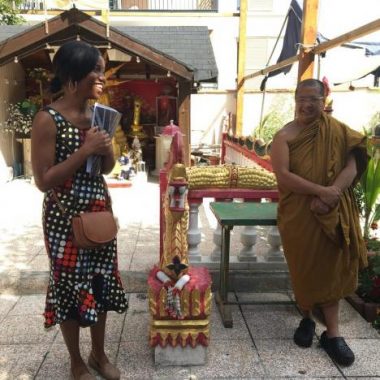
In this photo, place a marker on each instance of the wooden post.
(184, 92)
(241, 67)
(308, 39)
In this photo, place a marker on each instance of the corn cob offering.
(227, 176)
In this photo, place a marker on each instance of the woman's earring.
(73, 87)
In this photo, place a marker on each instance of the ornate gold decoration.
(195, 302)
(181, 324)
(176, 225)
(226, 176)
(207, 301)
(191, 325)
(152, 302)
(162, 303)
(185, 302)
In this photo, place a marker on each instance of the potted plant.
(367, 297)
(369, 288)
(20, 117)
(16, 130)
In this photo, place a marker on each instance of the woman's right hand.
(97, 141)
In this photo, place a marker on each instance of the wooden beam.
(279, 65)
(27, 41)
(21, 49)
(325, 46)
(348, 37)
(241, 66)
(308, 39)
(184, 93)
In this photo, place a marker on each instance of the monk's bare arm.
(346, 177)
(288, 180)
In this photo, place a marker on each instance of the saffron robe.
(323, 252)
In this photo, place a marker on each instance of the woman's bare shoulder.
(43, 120)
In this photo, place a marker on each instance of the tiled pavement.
(259, 346)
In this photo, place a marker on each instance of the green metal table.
(230, 214)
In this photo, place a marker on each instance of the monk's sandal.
(304, 333)
(337, 349)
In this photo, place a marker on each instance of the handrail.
(136, 6)
(244, 151)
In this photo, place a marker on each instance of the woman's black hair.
(316, 83)
(73, 61)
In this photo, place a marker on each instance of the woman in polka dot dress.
(84, 283)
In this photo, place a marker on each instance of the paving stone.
(282, 357)
(271, 321)
(231, 359)
(259, 346)
(22, 361)
(29, 305)
(367, 358)
(25, 329)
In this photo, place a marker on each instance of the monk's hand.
(318, 206)
(330, 195)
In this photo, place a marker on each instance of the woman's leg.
(98, 332)
(98, 358)
(70, 332)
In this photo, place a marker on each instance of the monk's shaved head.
(314, 83)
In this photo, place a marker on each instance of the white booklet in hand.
(107, 119)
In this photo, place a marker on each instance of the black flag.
(292, 38)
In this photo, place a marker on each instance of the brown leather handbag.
(91, 229)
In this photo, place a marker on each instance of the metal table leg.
(222, 295)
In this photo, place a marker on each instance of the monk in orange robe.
(317, 160)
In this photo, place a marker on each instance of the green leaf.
(375, 184)
(376, 215)
(369, 184)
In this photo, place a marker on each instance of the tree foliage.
(9, 15)
(279, 113)
(368, 189)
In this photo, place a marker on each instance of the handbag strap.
(108, 203)
(108, 200)
(59, 204)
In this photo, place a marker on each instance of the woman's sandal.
(108, 370)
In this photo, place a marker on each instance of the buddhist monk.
(317, 161)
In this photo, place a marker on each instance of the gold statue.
(137, 129)
(179, 295)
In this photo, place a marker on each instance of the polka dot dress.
(83, 282)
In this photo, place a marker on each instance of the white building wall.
(207, 112)
(264, 21)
